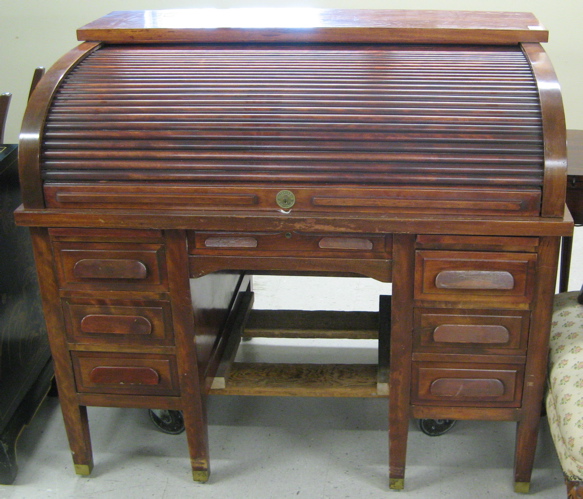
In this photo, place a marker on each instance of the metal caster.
(436, 427)
(167, 421)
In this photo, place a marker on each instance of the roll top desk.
(173, 154)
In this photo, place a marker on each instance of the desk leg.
(75, 416)
(192, 387)
(536, 362)
(400, 356)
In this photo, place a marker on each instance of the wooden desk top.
(314, 25)
(575, 152)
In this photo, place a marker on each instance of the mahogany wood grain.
(95, 320)
(486, 243)
(74, 414)
(313, 25)
(115, 324)
(105, 265)
(554, 129)
(461, 384)
(482, 201)
(32, 125)
(325, 222)
(536, 363)
(189, 366)
(438, 167)
(292, 243)
(473, 276)
(474, 279)
(124, 375)
(465, 413)
(102, 268)
(482, 334)
(345, 243)
(380, 269)
(486, 331)
(230, 242)
(401, 349)
(467, 388)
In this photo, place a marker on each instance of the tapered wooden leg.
(536, 363)
(77, 428)
(197, 437)
(74, 415)
(192, 385)
(400, 358)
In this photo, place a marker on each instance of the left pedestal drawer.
(124, 373)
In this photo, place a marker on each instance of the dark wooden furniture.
(175, 153)
(25, 362)
(574, 199)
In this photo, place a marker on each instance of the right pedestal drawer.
(465, 384)
(499, 279)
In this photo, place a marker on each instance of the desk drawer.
(442, 330)
(111, 266)
(503, 280)
(290, 243)
(130, 374)
(490, 385)
(146, 323)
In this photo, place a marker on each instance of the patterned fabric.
(565, 387)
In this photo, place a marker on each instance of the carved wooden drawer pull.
(99, 268)
(123, 375)
(345, 243)
(464, 387)
(474, 279)
(116, 324)
(231, 242)
(463, 333)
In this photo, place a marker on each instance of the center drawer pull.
(475, 279)
(100, 268)
(116, 324)
(467, 387)
(230, 242)
(345, 243)
(465, 333)
(124, 375)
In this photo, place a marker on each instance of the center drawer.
(292, 243)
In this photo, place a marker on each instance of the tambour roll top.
(360, 111)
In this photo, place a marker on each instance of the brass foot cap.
(83, 469)
(522, 487)
(396, 483)
(200, 476)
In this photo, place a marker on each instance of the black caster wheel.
(436, 427)
(167, 421)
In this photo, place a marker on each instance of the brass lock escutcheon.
(285, 199)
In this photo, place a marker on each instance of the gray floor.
(277, 448)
